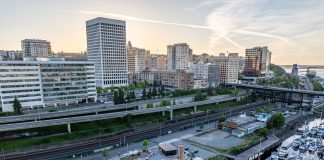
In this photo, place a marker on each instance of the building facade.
(36, 48)
(171, 79)
(257, 61)
(136, 58)
(209, 72)
(106, 48)
(11, 55)
(229, 67)
(179, 56)
(44, 83)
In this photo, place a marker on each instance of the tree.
(128, 96)
(149, 94)
(144, 94)
(199, 97)
(154, 92)
(99, 90)
(201, 126)
(277, 120)
(222, 118)
(105, 90)
(174, 102)
(235, 92)
(121, 98)
(145, 144)
(133, 95)
(263, 132)
(210, 91)
(112, 88)
(162, 91)
(17, 106)
(116, 97)
(105, 153)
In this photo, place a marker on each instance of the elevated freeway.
(87, 118)
(91, 109)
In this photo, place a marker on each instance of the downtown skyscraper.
(106, 47)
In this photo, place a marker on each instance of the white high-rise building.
(179, 56)
(106, 48)
(35, 48)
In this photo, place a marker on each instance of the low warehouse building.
(168, 149)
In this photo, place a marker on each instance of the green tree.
(121, 98)
(149, 94)
(199, 97)
(105, 90)
(144, 94)
(201, 126)
(116, 97)
(133, 96)
(263, 132)
(174, 102)
(105, 153)
(145, 144)
(128, 96)
(277, 120)
(235, 92)
(112, 88)
(154, 92)
(99, 90)
(222, 118)
(17, 106)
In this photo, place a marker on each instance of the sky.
(293, 30)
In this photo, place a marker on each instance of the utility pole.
(3, 156)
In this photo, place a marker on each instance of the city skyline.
(291, 30)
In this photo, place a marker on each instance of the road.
(314, 93)
(95, 109)
(87, 118)
(125, 138)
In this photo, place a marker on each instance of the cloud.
(220, 25)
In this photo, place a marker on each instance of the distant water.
(319, 72)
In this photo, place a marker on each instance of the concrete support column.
(76, 102)
(86, 100)
(69, 127)
(66, 103)
(163, 113)
(171, 114)
(55, 104)
(195, 108)
(96, 113)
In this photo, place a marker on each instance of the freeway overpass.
(87, 118)
(284, 95)
(270, 88)
(91, 109)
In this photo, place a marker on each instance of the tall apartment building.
(229, 66)
(136, 58)
(36, 48)
(106, 48)
(44, 82)
(257, 61)
(157, 62)
(209, 72)
(179, 56)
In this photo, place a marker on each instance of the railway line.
(126, 137)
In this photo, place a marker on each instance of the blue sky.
(293, 30)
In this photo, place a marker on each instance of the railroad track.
(126, 137)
